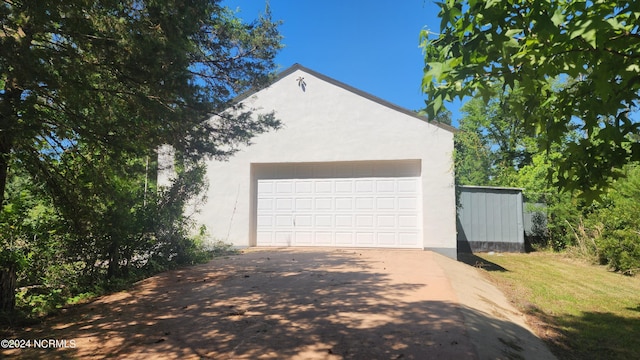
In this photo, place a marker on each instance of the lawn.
(583, 311)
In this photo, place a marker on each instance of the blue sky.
(371, 45)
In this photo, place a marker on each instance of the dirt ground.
(298, 304)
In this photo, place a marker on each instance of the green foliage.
(118, 236)
(608, 230)
(443, 117)
(618, 225)
(471, 160)
(88, 90)
(564, 210)
(492, 143)
(29, 227)
(220, 248)
(621, 251)
(41, 302)
(102, 78)
(495, 147)
(591, 45)
(12, 258)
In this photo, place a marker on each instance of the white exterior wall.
(166, 166)
(328, 123)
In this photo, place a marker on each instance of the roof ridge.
(296, 66)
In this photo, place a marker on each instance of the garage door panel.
(365, 238)
(344, 204)
(344, 186)
(364, 203)
(407, 238)
(364, 186)
(364, 221)
(408, 221)
(284, 187)
(344, 221)
(304, 187)
(347, 206)
(282, 238)
(344, 238)
(284, 204)
(303, 221)
(324, 238)
(323, 221)
(407, 203)
(304, 204)
(386, 239)
(323, 204)
(265, 221)
(408, 186)
(385, 186)
(284, 220)
(265, 187)
(265, 238)
(386, 221)
(303, 238)
(323, 187)
(385, 203)
(265, 204)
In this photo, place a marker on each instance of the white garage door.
(356, 211)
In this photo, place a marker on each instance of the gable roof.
(352, 89)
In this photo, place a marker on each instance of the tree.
(443, 117)
(472, 163)
(117, 215)
(493, 142)
(496, 147)
(593, 46)
(114, 79)
(125, 75)
(33, 237)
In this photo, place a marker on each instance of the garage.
(344, 169)
(362, 204)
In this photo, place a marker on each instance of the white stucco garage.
(346, 169)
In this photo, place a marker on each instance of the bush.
(61, 257)
(617, 219)
(620, 249)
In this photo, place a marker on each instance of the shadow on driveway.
(283, 304)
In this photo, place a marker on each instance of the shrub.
(617, 215)
(620, 249)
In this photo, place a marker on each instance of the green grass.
(583, 311)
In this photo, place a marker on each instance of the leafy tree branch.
(592, 46)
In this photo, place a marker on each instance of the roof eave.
(293, 68)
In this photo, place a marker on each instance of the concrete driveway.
(300, 304)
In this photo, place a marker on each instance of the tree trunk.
(114, 260)
(7, 288)
(8, 270)
(8, 119)
(5, 150)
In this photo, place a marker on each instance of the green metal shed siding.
(490, 219)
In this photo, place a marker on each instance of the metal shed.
(490, 219)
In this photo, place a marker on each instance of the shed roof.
(497, 188)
